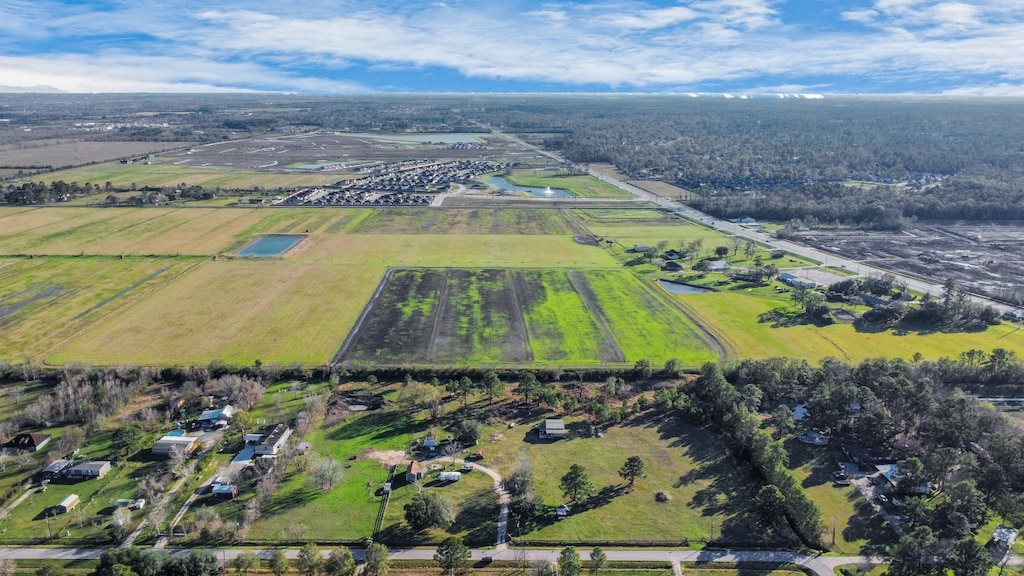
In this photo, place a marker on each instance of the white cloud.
(310, 45)
(122, 72)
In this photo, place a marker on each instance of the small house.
(414, 473)
(1002, 540)
(273, 439)
(67, 504)
(88, 470)
(553, 428)
(813, 437)
(217, 418)
(720, 266)
(796, 282)
(225, 491)
(165, 445)
(55, 469)
(892, 475)
(28, 442)
(562, 511)
(671, 255)
(673, 266)
(641, 248)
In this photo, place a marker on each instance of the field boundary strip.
(582, 287)
(340, 354)
(438, 313)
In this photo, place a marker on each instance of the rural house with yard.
(28, 442)
(414, 472)
(271, 439)
(87, 470)
(165, 445)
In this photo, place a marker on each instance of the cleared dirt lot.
(987, 259)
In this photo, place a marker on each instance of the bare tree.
(178, 459)
(326, 472)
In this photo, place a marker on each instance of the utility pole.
(48, 530)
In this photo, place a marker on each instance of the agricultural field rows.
(509, 316)
(153, 231)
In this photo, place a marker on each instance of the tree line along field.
(512, 316)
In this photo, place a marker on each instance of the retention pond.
(680, 288)
(502, 184)
(271, 245)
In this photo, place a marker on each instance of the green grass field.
(463, 221)
(858, 529)
(578, 186)
(732, 315)
(707, 494)
(162, 286)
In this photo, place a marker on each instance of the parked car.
(883, 498)
(841, 482)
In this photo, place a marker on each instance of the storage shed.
(67, 504)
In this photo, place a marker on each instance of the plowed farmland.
(512, 316)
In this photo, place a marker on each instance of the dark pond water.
(677, 288)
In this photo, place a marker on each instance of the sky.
(954, 47)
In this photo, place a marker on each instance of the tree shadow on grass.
(728, 486)
(477, 516)
(783, 317)
(400, 534)
(866, 524)
(378, 426)
(293, 499)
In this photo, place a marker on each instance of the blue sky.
(655, 46)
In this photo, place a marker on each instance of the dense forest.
(867, 162)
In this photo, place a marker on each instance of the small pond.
(679, 288)
(271, 245)
(502, 184)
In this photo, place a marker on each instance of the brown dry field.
(147, 231)
(43, 153)
(295, 308)
(986, 258)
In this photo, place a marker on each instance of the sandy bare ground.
(388, 457)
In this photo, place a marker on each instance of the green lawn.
(579, 186)
(733, 316)
(88, 522)
(707, 493)
(858, 529)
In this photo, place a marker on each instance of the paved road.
(829, 259)
(820, 565)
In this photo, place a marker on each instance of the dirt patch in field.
(388, 457)
(985, 258)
